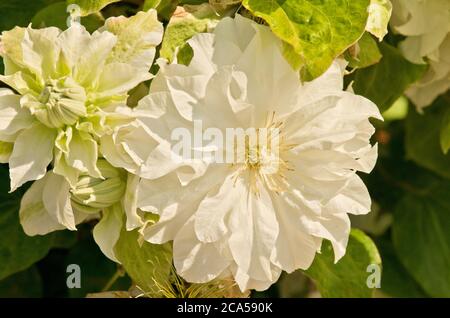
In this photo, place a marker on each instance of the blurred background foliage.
(410, 186)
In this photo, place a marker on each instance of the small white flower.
(426, 25)
(70, 86)
(255, 218)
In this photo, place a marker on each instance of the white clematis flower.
(255, 218)
(426, 23)
(69, 86)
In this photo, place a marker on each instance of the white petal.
(254, 229)
(34, 217)
(196, 261)
(107, 231)
(353, 199)
(210, 216)
(93, 58)
(13, 118)
(164, 196)
(40, 51)
(245, 282)
(83, 154)
(295, 247)
(56, 198)
(118, 79)
(28, 162)
(130, 203)
(73, 42)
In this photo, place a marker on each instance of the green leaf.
(165, 8)
(184, 26)
(396, 281)
(19, 12)
(90, 6)
(317, 31)
(421, 238)
(423, 139)
(96, 269)
(385, 82)
(367, 53)
(18, 251)
(56, 15)
(348, 277)
(25, 284)
(148, 265)
(150, 4)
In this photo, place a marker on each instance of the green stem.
(119, 273)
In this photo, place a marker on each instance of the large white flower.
(426, 23)
(255, 218)
(69, 85)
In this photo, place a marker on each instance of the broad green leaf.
(19, 12)
(398, 110)
(17, 250)
(396, 281)
(348, 277)
(96, 269)
(445, 132)
(90, 6)
(384, 82)
(317, 31)
(421, 237)
(148, 265)
(379, 15)
(185, 24)
(56, 15)
(423, 137)
(25, 284)
(364, 53)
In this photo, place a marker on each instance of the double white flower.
(426, 23)
(71, 91)
(254, 219)
(70, 85)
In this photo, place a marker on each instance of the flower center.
(61, 103)
(263, 157)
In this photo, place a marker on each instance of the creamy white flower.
(70, 84)
(250, 219)
(426, 23)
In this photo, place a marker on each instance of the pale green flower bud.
(93, 194)
(62, 102)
